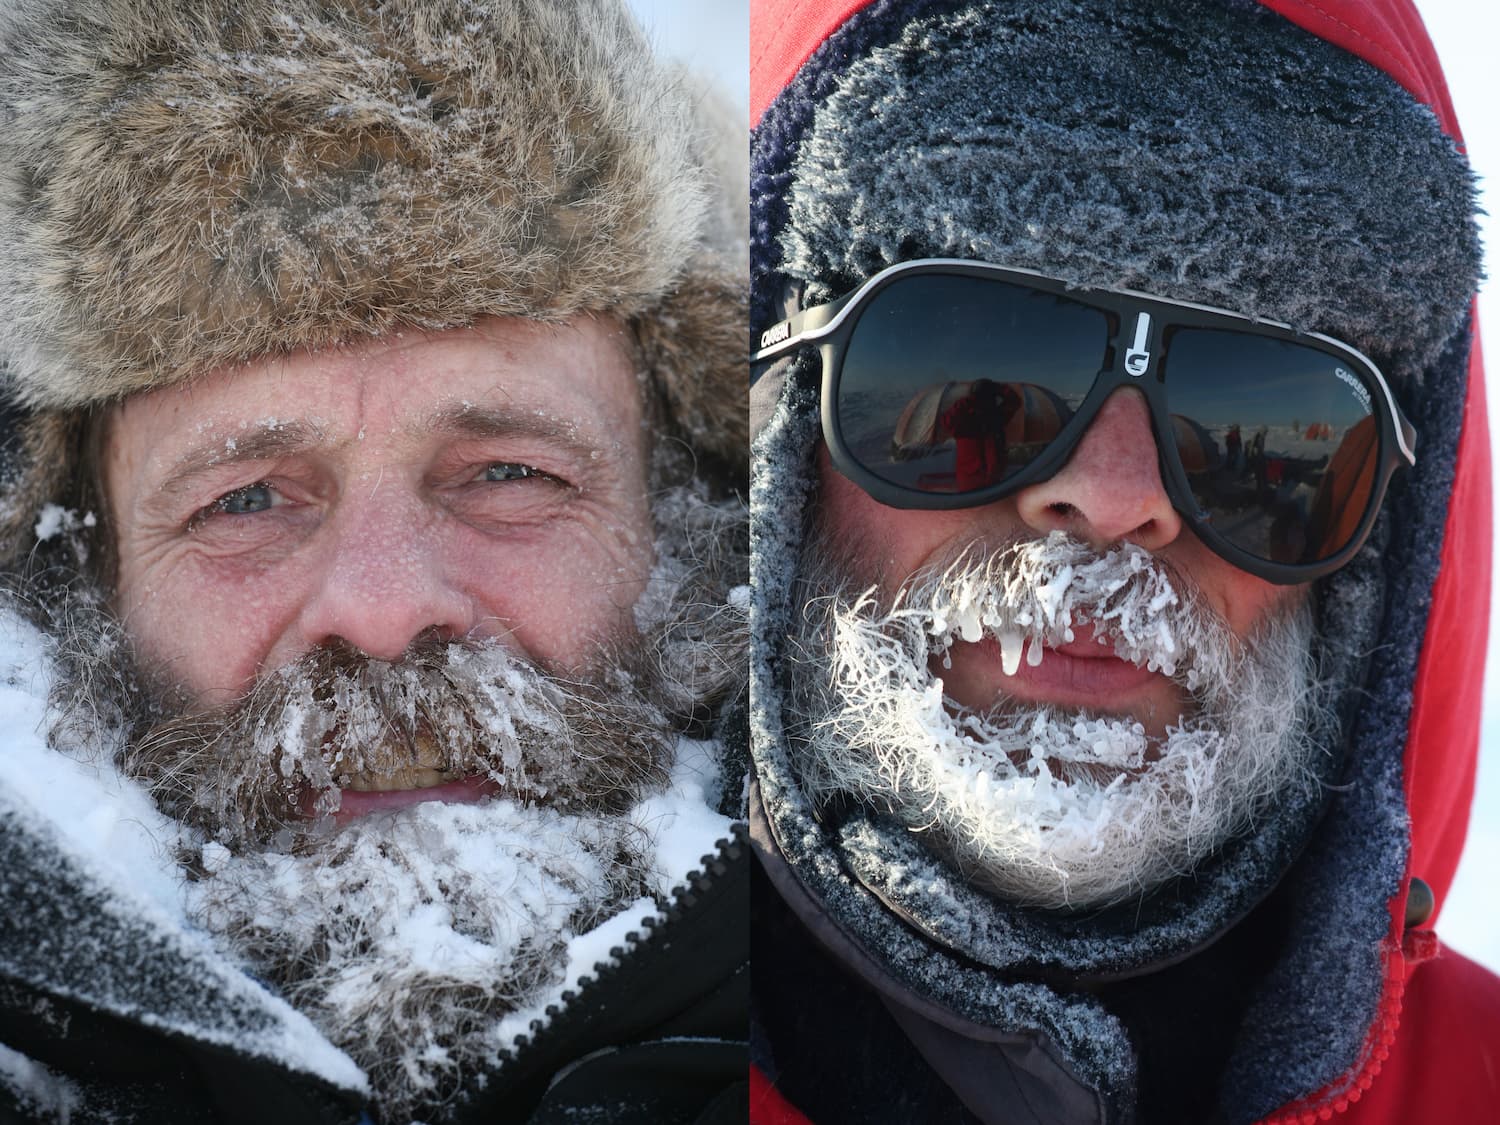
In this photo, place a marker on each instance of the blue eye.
(247, 501)
(508, 470)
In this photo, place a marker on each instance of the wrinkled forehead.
(567, 398)
(573, 381)
(1188, 150)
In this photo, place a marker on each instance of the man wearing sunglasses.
(1121, 552)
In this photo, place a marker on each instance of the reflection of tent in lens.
(1195, 445)
(1022, 413)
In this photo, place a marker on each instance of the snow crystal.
(53, 520)
(37, 1088)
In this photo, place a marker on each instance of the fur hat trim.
(188, 186)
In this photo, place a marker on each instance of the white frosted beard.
(409, 937)
(1039, 805)
(335, 718)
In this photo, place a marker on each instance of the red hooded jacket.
(1432, 1054)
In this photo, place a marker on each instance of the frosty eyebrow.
(266, 442)
(480, 422)
(284, 439)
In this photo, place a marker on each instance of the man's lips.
(402, 786)
(1079, 673)
(355, 802)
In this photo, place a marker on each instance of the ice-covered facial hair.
(408, 937)
(447, 711)
(1040, 805)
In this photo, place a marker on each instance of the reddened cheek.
(213, 634)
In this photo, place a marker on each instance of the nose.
(1111, 488)
(383, 582)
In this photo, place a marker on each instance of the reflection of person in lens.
(977, 423)
(369, 522)
(1256, 456)
(1064, 817)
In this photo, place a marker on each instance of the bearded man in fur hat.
(1109, 768)
(375, 614)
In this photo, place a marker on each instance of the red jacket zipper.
(1338, 1096)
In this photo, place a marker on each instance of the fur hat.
(191, 184)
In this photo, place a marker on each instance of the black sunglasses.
(950, 384)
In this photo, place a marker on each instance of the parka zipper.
(558, 1019)
(1378, 1043)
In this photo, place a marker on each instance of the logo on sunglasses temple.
(1138, 356)
(776, 334)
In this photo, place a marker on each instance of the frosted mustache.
(465, 708)
(1034, 593)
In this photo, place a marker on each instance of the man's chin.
(470, 909)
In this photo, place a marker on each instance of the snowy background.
(714, 37)
(1466, 35)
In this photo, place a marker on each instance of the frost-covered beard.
(446, 711)
(408, 937)
(1040, 805)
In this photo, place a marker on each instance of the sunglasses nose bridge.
(1110, 489)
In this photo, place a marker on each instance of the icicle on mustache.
(1038, 804)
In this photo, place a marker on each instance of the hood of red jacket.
(1318, 1033)
(1443, 738)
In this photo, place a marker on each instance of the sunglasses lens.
(1280, 441)
(952, 384)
